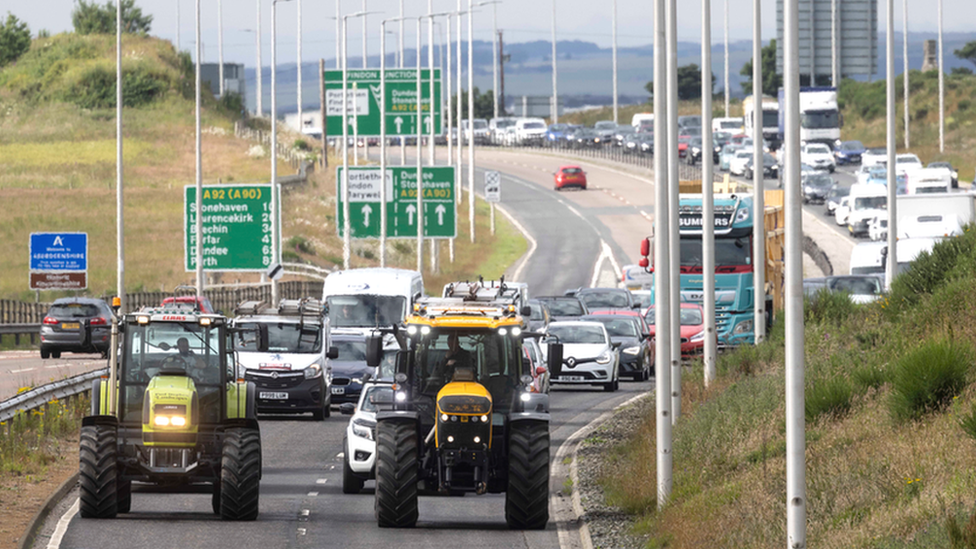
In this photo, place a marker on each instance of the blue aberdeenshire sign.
(59, 252)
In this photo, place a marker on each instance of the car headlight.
(742, 215)
(313, 371)
(363, 428)
(743, 327)
(604, 358)
(700, 336)
(632, 350)
(357, 380)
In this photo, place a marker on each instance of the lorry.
(819, 116)
(172, 413)
(462, 417)
(770, 117)
(734, 265)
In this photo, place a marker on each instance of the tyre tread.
(397, 469)
(527, 497)
(240, 474)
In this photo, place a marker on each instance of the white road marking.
(62, 527)
(22, 370)
(532, 242)
(301, 531)
(313, 494)
(340, 454)
(304, 512)
(321, 481)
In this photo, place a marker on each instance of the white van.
(362, 299)
(866, 202)
(866, 259)
(641, 118)
(732, 125)
(530, 131)
(929, 180)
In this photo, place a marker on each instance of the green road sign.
(236, 227)
(364, 103)
(440, 211)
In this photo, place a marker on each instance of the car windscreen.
(283, 337)
(572, 171)
(366, 310)
(73, 310)
(618, 327)
(851, 146)
(691, 317)
(813, 120)
(565, 307)
(480, 124)
(536, 313)
(820, 181)
(534, 126)
(350, 350)
(599, 300)
(770, 119)
(579, 334)
(856, 285)
(870, 202)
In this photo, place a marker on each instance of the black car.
(646, 143)
(349, 367)
(694, 154)
(837, 192)
(631, 335)
(76, 325)
(623, 132)
(607, 298)
(564, 307)
(770, 167)
(540, 316)
(816, 187)
(586, 138)
(632, 143)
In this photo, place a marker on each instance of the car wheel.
(55, 354)
(45, 354)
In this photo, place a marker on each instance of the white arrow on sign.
(411, 210)
(399, 122)
(366, 211)
(427, 124)
(440, 210)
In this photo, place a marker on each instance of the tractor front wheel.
(397, 465)
(125, 496)
(527, 497)
(240, 474)
(98, 471)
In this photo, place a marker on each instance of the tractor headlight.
(363, 428)
(313, 371)
(743, 327)
(604, 358)
(700, 336)
(632, 350)
(170, 421)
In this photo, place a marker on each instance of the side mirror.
(646, 335)
(554, 358)
(366, 377)
(615, 344)
(540, 370)
(374, 350)
(526, 311)
(635, 306)
(645, 247)
(333, 353)
(347, 408)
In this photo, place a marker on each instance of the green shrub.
(300, 244)
(929, 271)
(94, 87)
(961, 536)
(869, 377)
(968, 422)
(289, 256)
(927, 378)
(301, 145)
(829, 396)
(920, 114)
(828, 307)
(964, 104)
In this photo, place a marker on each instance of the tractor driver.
(456, 357)
(197, 365)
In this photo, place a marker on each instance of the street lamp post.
(220, 45)
(275, 214)
(494, 59)
(260, 69)
(758, 180)
(614, 47)
(555, 85)
(674, 297)
(199, 163)
(301, 124)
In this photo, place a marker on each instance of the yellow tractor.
(179, 416)
(463, 416)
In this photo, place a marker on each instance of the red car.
(200, 303)
(683, 145)
(570, 176)
(692, 328)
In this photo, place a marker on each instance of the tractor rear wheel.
(99, 472)
(240, 474)
(527, 497)
(397, 464)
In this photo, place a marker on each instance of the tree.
(15, 39)
(689, 82)
(967, 52)
(484, 104)
(90, 18)
(771, 80)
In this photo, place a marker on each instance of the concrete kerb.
(577, 514)
(27, 540)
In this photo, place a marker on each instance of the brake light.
(98, 321)
(49, 320)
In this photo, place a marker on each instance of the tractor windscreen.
(493, 357)
(171, 348)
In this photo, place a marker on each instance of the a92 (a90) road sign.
(236, 227)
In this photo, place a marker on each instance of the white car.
(878, 227)
(873, 157)
(359, 440)
(842, 210)
(907, 162)
(737, 165)
(589, 357)
(530, 131)
(819, 156)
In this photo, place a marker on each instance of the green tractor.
(179, 417)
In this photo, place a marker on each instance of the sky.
(521, 20)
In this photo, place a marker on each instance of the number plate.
(273, 396)
(70, 326)
(338, 390)
(570, 378)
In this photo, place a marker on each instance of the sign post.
(365, 206)
(236, 227)
(493, 194)
(59, 261)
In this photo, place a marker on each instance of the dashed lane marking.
(321, 481)
(313, 494)
(22, 370)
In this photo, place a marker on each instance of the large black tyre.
(240, 474)
(351, 483)
(98, 471)
(397, 464)
(45, 354)
(215, 498)
(527, 497)
(124, 496)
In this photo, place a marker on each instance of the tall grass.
(29, 442)
(929, 377)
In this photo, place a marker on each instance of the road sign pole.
(199, 164)
(492, 210)
(355, 126)
(727, 92)
(796, 515)
(708, 196)
(457, 101)
(420, 158)
(346, 225)
(890, 138)
(430, 67)
(260, 65)
(672, 204)
(758, 180)
(301, 124)
(119, 225)
(382, 206)
(662, 263)
(904, 34)
(471, 118)
(274, 145)
(613, 28)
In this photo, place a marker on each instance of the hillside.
(862, 106)
(57, 149)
